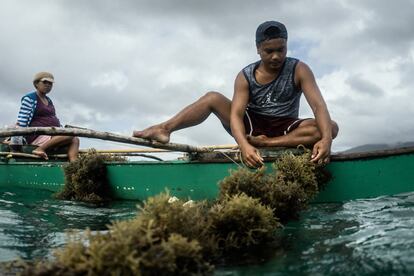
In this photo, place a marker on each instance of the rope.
(241, 159)
(231, 159)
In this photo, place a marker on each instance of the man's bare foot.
(41, 153)
(157, 133)
(258, 141)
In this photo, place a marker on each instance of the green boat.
(196, 176)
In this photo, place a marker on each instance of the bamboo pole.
(19, 154)
(120, 151)
(131, 150)
(53, 131)
(65, 156)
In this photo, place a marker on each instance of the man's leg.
(307, 134)
(194, 114)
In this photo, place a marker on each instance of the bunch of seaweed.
(128, 248)
(240, 221)
(167, 237)
(86, 179)
(235, 223)
(173, 215)
(287, 189)
(170, 236)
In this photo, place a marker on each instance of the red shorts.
(257, 124)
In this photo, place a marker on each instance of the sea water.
(360, 237)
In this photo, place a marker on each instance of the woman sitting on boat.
(37, 110)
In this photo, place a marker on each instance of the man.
(265, 104)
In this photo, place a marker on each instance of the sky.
(124, 65)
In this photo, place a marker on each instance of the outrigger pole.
(80, 132)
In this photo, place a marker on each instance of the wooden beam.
(108, 136)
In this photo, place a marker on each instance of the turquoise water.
(32, 223)
(362, 237)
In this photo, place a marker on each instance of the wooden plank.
(5, 132)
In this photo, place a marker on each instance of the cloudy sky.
(124, 65)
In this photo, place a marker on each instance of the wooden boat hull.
(354, 176)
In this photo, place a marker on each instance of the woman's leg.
(55, 141)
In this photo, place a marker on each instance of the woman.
(37, 110)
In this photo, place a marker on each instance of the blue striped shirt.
(28, 108)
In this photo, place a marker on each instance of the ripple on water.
(33, 223)
(372, 236)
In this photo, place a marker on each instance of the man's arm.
(238, 107)
(306, 81)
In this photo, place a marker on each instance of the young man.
(265, 107)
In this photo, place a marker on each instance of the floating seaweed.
(172, 215)
(128, 248)
(240, 221)
(287, 189)
(236, 222)
(86, 178)
(170, 236)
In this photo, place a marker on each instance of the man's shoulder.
(302, 68)
(251, 65)
(249, 69)
(292, 60)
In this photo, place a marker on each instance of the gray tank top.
(280, 97)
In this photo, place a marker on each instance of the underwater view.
(371, 236)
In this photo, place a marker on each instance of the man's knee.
(335, 129)
(312, 123)
(311, 128)
(213, 96)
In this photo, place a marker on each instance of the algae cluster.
(86, 179)
(287, 189)
(236, 222)
(128, 248)
(239, 221)
(172, 237)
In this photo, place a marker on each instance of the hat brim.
(47, 79)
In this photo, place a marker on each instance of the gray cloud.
(364, 86)
(121, 65)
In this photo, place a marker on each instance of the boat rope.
(231, 159)
(241, 159)
(243, 165)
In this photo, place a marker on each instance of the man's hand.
(321, 151)
(251, 156)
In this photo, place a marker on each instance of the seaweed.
(86, 178)
(172, 215)
(243, 180)
(189, 219)
(128, 248)
(240, 221)
(287, 189)
(170, 236)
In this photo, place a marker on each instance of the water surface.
(32, 223)
(362, 237)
